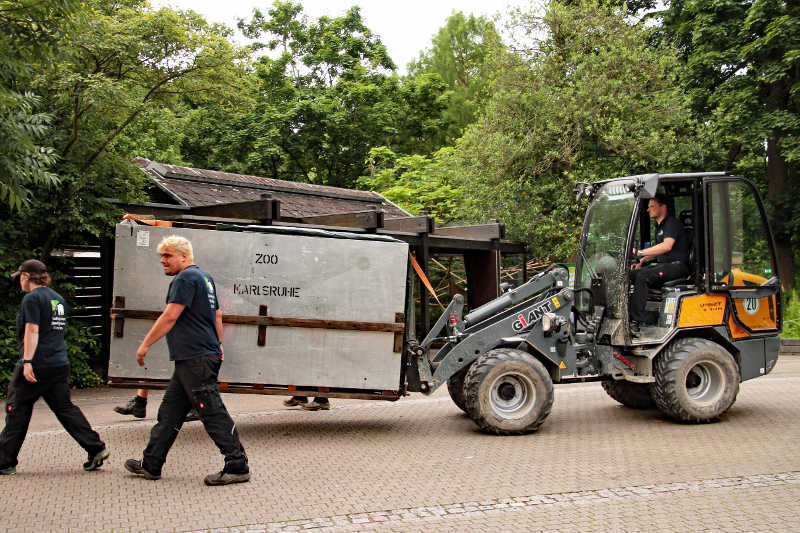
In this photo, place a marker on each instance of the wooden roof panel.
(194, 187)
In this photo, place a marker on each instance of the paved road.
(420, 465)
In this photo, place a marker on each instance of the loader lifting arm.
(512, 319)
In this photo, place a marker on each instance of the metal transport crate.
(304, 310)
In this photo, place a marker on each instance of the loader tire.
(455, 386)
(632, 395)
(696, 381)
(508, 392)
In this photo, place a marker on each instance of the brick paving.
(420, 465)
(421, 517)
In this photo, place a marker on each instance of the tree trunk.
(777, 186)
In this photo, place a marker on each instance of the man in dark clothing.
(43, 371)
(666, 260)
(192, 323)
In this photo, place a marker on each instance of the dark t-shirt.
(195, 332)
(47, 309)
(671, 227)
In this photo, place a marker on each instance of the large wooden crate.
(303, 309)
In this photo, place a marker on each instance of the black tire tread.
(455, 387)
(478, 371)
(666, 368)
(631, 395)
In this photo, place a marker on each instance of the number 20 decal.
(751, 305)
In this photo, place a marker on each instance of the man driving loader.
(666, 260)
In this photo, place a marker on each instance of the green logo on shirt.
(57, 307)
(209, 285)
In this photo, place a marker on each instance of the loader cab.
(732, 286)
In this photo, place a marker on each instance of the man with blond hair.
(192, 323)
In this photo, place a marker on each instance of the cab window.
(740, 248)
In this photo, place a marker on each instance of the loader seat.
(687, 219)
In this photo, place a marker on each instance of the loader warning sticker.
(143, 238)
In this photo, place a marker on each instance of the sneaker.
(226, 478)
(317, 406)
(133, 407)
(8, 471)
(295, 400)
(96, 461)
(192, 416)
(134, 466)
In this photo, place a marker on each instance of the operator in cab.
(666, 260)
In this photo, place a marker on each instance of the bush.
(791, 318)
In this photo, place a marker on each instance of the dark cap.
(31, 266)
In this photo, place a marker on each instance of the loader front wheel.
(632, 395)
(455, 386)
(508, 392)
(696, 380)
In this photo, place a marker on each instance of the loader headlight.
(549, 321)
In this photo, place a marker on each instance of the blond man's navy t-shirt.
(195, 332)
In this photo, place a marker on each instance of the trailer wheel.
(696, 380)
(633, 395)
(508, 392)
(455, 386)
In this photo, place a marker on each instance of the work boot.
(96, 460)
(226, 478)
(296, 400)
(192, 416)
(317, 406)
(8, 471)
(134, 466)
(137, 406)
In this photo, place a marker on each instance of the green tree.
(126, 61)
(588, 100)
(327, 99)
(31, 29)
(460, 53)
(418, 182)
(743, 75)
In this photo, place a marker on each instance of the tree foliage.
(325, 95)
(742, 72)
(418, 183)
(461, 53)
(31, 30)
(589, 100)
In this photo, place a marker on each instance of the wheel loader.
(716, 327)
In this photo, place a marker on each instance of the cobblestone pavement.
(419, 464)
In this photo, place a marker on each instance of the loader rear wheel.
(508, 392)
(696, 380)
(633, 395)
(455, 386)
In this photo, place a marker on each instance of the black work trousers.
(652, 276)
(52, 384)
(194, 384)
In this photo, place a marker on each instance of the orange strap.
(149, 222)
(424, 279)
